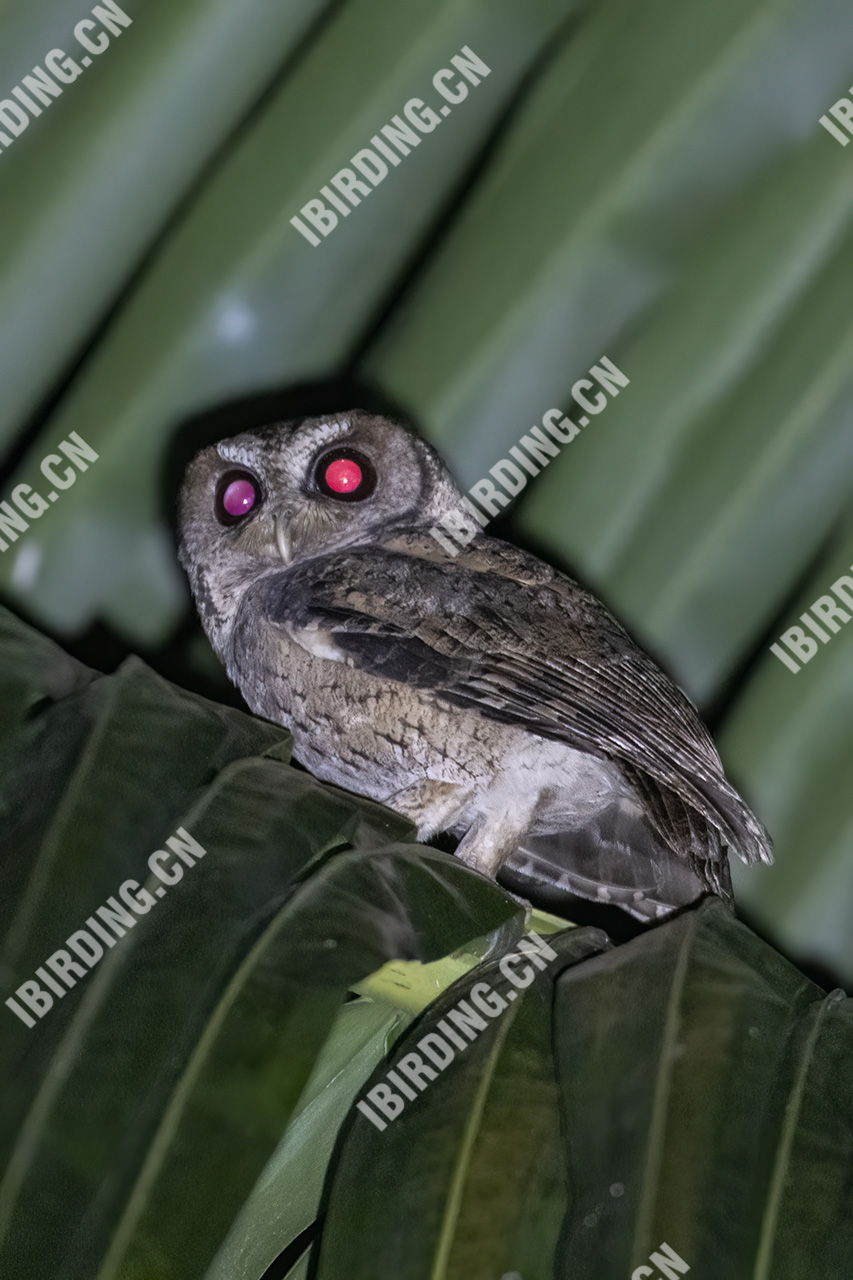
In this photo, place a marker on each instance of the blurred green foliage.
(645, 179)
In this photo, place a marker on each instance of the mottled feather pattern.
(487, 695)
(594, 688)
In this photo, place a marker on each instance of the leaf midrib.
(453, 1204)
(663, 1081)
(767, 1238)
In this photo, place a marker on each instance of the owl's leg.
(491, 840)
(431, 804)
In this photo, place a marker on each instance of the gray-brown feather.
(488, 695)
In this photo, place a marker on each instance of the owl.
(485, 695)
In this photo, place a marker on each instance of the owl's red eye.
(237, 494)
(345, 474)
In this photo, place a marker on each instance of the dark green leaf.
(688, 1087)
(186, 1049)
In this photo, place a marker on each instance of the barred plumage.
(486, 695)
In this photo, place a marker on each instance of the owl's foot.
(488, 844)
(432, 805)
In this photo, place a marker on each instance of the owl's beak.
(283, 539)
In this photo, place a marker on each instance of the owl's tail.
(617, 859)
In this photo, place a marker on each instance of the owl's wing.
(504, 634)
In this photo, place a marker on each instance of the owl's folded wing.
(534, 655)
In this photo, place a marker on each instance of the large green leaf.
(688, 1087)
(237, 301)
(622, 217)
(186, 1049)
(477, 1210)
(91, 182)
(285, 1201)
(790, 742)
(286, 1198)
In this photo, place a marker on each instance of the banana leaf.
(653, 205)
(186, 1049)
(688, 1088)
(789, 739)
(93, 181)
(235, 301)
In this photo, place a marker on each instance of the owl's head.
(270, 498)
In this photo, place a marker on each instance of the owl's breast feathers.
(498, 632)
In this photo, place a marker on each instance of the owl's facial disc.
(297, 489)
(271, 498)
